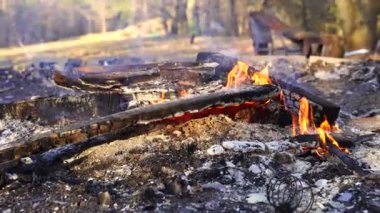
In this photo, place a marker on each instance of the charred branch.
(344, 140)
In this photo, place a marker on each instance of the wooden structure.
(264, 27)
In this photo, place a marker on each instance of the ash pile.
(211, 135)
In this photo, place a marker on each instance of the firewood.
(344, 140)
(51, 110)
(78, 132)
(350, 162)
(293, 91)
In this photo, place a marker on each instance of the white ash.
(214, 185)
(323, 75)
(244, 146)
(299, 167)
(11, 130)
(369, 153)
(279, 146)
(259, 197)
(325, 190)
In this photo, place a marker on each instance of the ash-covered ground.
(216, 164)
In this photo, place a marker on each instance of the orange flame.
(306, 126)
(239, 76)
(262, 77)
(162, 98)
(163, 95)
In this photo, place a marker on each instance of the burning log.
(345, 158)
(225, 63)
(82, 131)
(343, 139)
(292, 90)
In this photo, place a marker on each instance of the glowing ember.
(163, 95)
(183, 93)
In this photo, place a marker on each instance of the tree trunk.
(234, 28)
(304, 15)
(4, 5)
(358, 20)
(180, 18)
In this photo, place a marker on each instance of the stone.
(283, 157)
(104, 198)
(26, 160)
(215, 150)
(344, 197)
(244, 146)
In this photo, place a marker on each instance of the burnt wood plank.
(71, 108)
(81, 131)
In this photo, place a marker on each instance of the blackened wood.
(344, 140)
(81, 131)
(346, 159)
(192, 73)
(226, 63)
(105, 77)
(293, 91)
(70, 108)
(44, 160)
(68, 81)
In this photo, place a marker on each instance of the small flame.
(303, 116)
(239, 75)
(163, 94)
(262, 77)
(307, 126)
(162, 98)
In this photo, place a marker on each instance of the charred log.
(350, 162)
(78, 132)
(226, 63)
(72, 108)
(191, 73)
(293, 91)
(344, 140)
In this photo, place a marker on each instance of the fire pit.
(207, 135)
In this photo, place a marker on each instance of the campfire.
(93, 105)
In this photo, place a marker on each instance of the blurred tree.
(358, 20)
